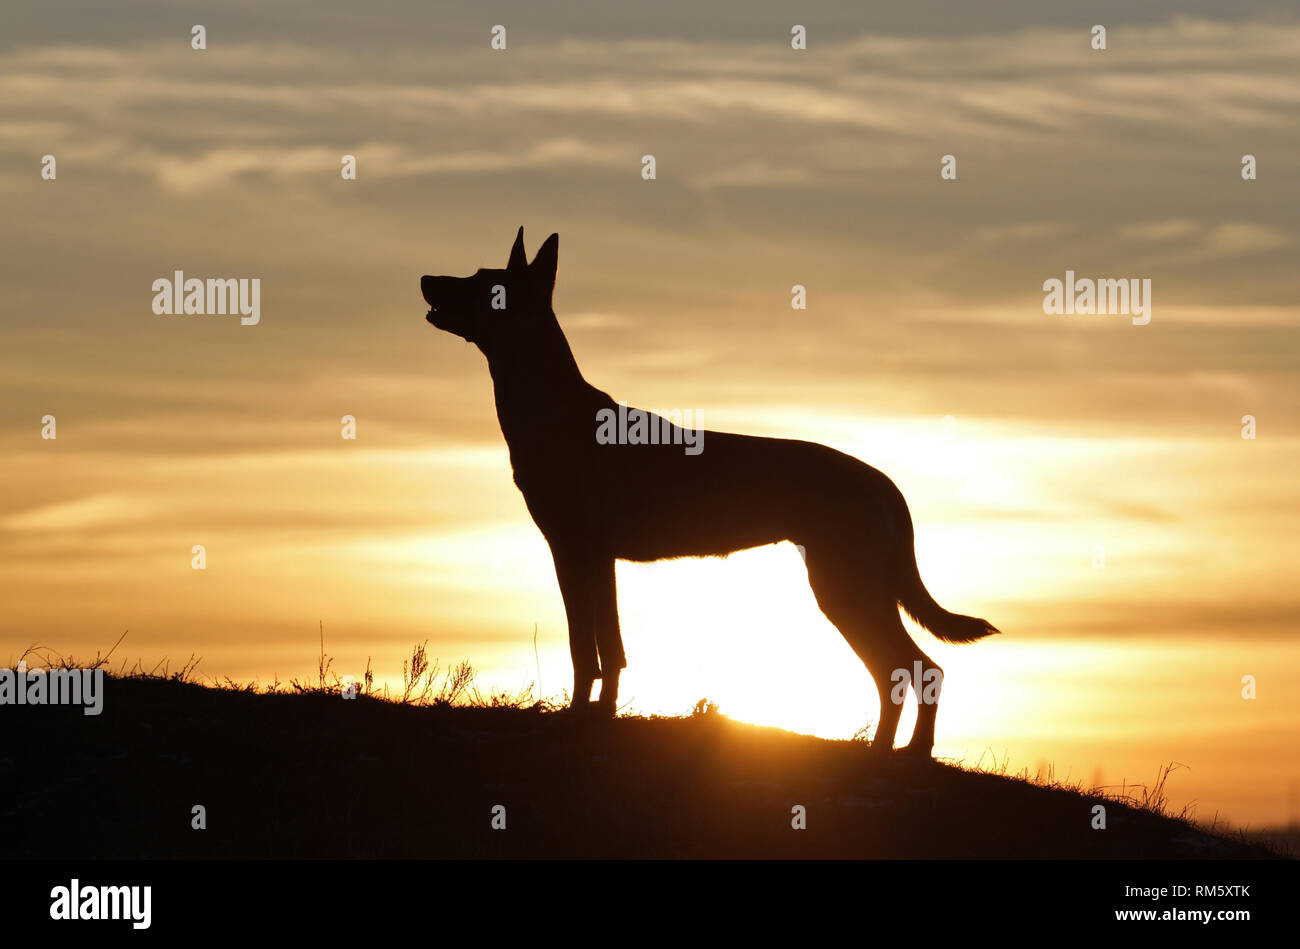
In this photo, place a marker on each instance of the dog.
(597, 500)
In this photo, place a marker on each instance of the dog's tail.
(916, 600)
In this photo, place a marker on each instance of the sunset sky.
(775, 167)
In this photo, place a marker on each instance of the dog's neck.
(537, 388)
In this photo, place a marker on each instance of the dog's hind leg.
(890, 649)
(868, 620)
(896, 662)
(927, 689)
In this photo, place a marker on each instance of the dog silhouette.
(604, 483)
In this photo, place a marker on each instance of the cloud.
(220, 167)
(1011, 88)
(1175, 229)
(1233, 238)
(96, 511)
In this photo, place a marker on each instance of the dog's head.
(494, 305)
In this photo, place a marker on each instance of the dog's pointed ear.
(541, 272)
(518, 265)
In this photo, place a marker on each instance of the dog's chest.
(547, 458)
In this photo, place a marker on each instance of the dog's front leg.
(578, 588)
(595, 641)
(609, 638)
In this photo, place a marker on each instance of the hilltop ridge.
(311, 775)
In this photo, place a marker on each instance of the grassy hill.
(306, 773)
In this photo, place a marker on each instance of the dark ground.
(314, 775)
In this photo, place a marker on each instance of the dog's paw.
(916, 753)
